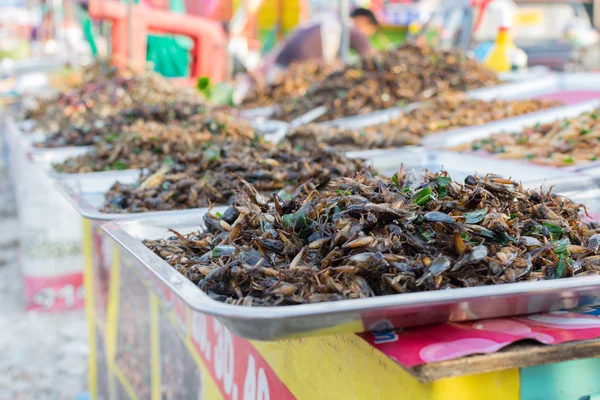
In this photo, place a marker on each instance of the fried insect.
(370, 236)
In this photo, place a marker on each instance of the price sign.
(65, 292)
(238, 369)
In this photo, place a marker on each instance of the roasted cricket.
(370, 236)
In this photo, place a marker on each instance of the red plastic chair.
(209, 51)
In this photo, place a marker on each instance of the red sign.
(57, 293)
(237, 368)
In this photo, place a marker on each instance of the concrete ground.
(42, 356)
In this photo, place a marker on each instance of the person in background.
(320, 39)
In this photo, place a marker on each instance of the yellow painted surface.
(347, 367)
(155, 347)
(209, 387)
(354, 326)
(88, 275)
(123, 381)
(527, 17)
(112, 312)
(268, 12)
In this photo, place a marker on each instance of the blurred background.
(556, 34)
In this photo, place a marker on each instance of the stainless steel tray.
(398, 311)
(539, 85)
(555, 85)
(370, 119)
(26, 140)
(46, 158)
(86, 191)
(257, 113)
(532, 73)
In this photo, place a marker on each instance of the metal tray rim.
(82, 206)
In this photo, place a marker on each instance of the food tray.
(569, 88)
(459, 136)
(397, 311)
(270, 128)
(46, 158)
(458, 165)
(86, 192)
(456, 137)
(16, 136)
(257, 113)
(534, 72)
(539, 79)
(374, 118)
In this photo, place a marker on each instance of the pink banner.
(435, 343)
(53, 294)
(573, 96)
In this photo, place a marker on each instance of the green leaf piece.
(474, 217)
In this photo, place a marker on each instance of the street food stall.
(410, 225)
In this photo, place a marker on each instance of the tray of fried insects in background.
(390, 78)
(516, 287)
(459, 166)
(459, 136)
(47, 158)
(211, 176)
(16, 136)
(563, 87)
(87, 192)
(399, 138)
(565, 138)
(431, 123)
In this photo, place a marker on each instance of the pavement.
(42, 356)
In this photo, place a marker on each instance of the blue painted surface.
(570, 380)
(593, 310)
(482, 50)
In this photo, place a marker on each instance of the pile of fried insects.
(371, 236)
